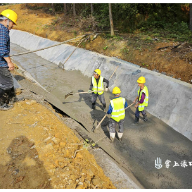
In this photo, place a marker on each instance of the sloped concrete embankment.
(169, 99)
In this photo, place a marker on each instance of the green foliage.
(166, 20)
(104, 48)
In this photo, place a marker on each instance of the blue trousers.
(137, 113)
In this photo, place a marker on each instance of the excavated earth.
(38, 151)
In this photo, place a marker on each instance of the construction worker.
(8, 18)
(142, 99)
(117, 110)
(97, 85)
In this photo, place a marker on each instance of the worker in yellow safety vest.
(117, 110)
(97, 85)
(142, 99)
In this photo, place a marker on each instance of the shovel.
(106, 116)
(71, 93)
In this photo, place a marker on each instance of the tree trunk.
(111, 20)
(53, 8)
(65, 8)
(190, 19)
(91, 9)
(74, 12)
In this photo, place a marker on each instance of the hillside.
(166, 56)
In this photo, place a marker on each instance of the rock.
(62, 144)
(89, 172)
(96, 182)
(62, 159)
(78, 156)
(18, 91)
(79, 187)
(48, 147)
(73, 177)
(31, 102)
(71, 186)
(55, 140)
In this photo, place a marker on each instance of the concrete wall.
(169, 99)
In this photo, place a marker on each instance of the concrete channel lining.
(169, 98)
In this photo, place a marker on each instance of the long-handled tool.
(114, 72)
(106, 116)
(71, 93)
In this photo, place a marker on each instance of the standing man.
(117, 110)
(97, 86)
(142, 99)
(8, 18)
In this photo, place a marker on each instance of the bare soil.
(38, 151)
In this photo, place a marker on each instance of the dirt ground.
(39, 151)
(166, 56)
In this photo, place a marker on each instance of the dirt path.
(39, 151)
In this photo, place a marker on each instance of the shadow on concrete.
(19, 77)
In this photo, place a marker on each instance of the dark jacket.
(4, 45)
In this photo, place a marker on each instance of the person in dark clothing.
(98, 88)
(8, 18)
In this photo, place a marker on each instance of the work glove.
(106, 89)
(89, 91)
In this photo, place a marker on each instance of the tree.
(111, 20)
(53, 8)
(91, 9)
(65, 8)
(190, 19)
(74, 11)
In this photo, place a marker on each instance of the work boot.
(5, 107)
(112, 136)
(120, 136)
(136, 120)
(145, 118)
(15, 99)
(11, 95)
(93, 106)
(104, 108)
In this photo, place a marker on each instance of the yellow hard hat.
(98, 71)
(116, 90)
(141, 80)
(10, 14)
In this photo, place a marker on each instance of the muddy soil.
(38, 151)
